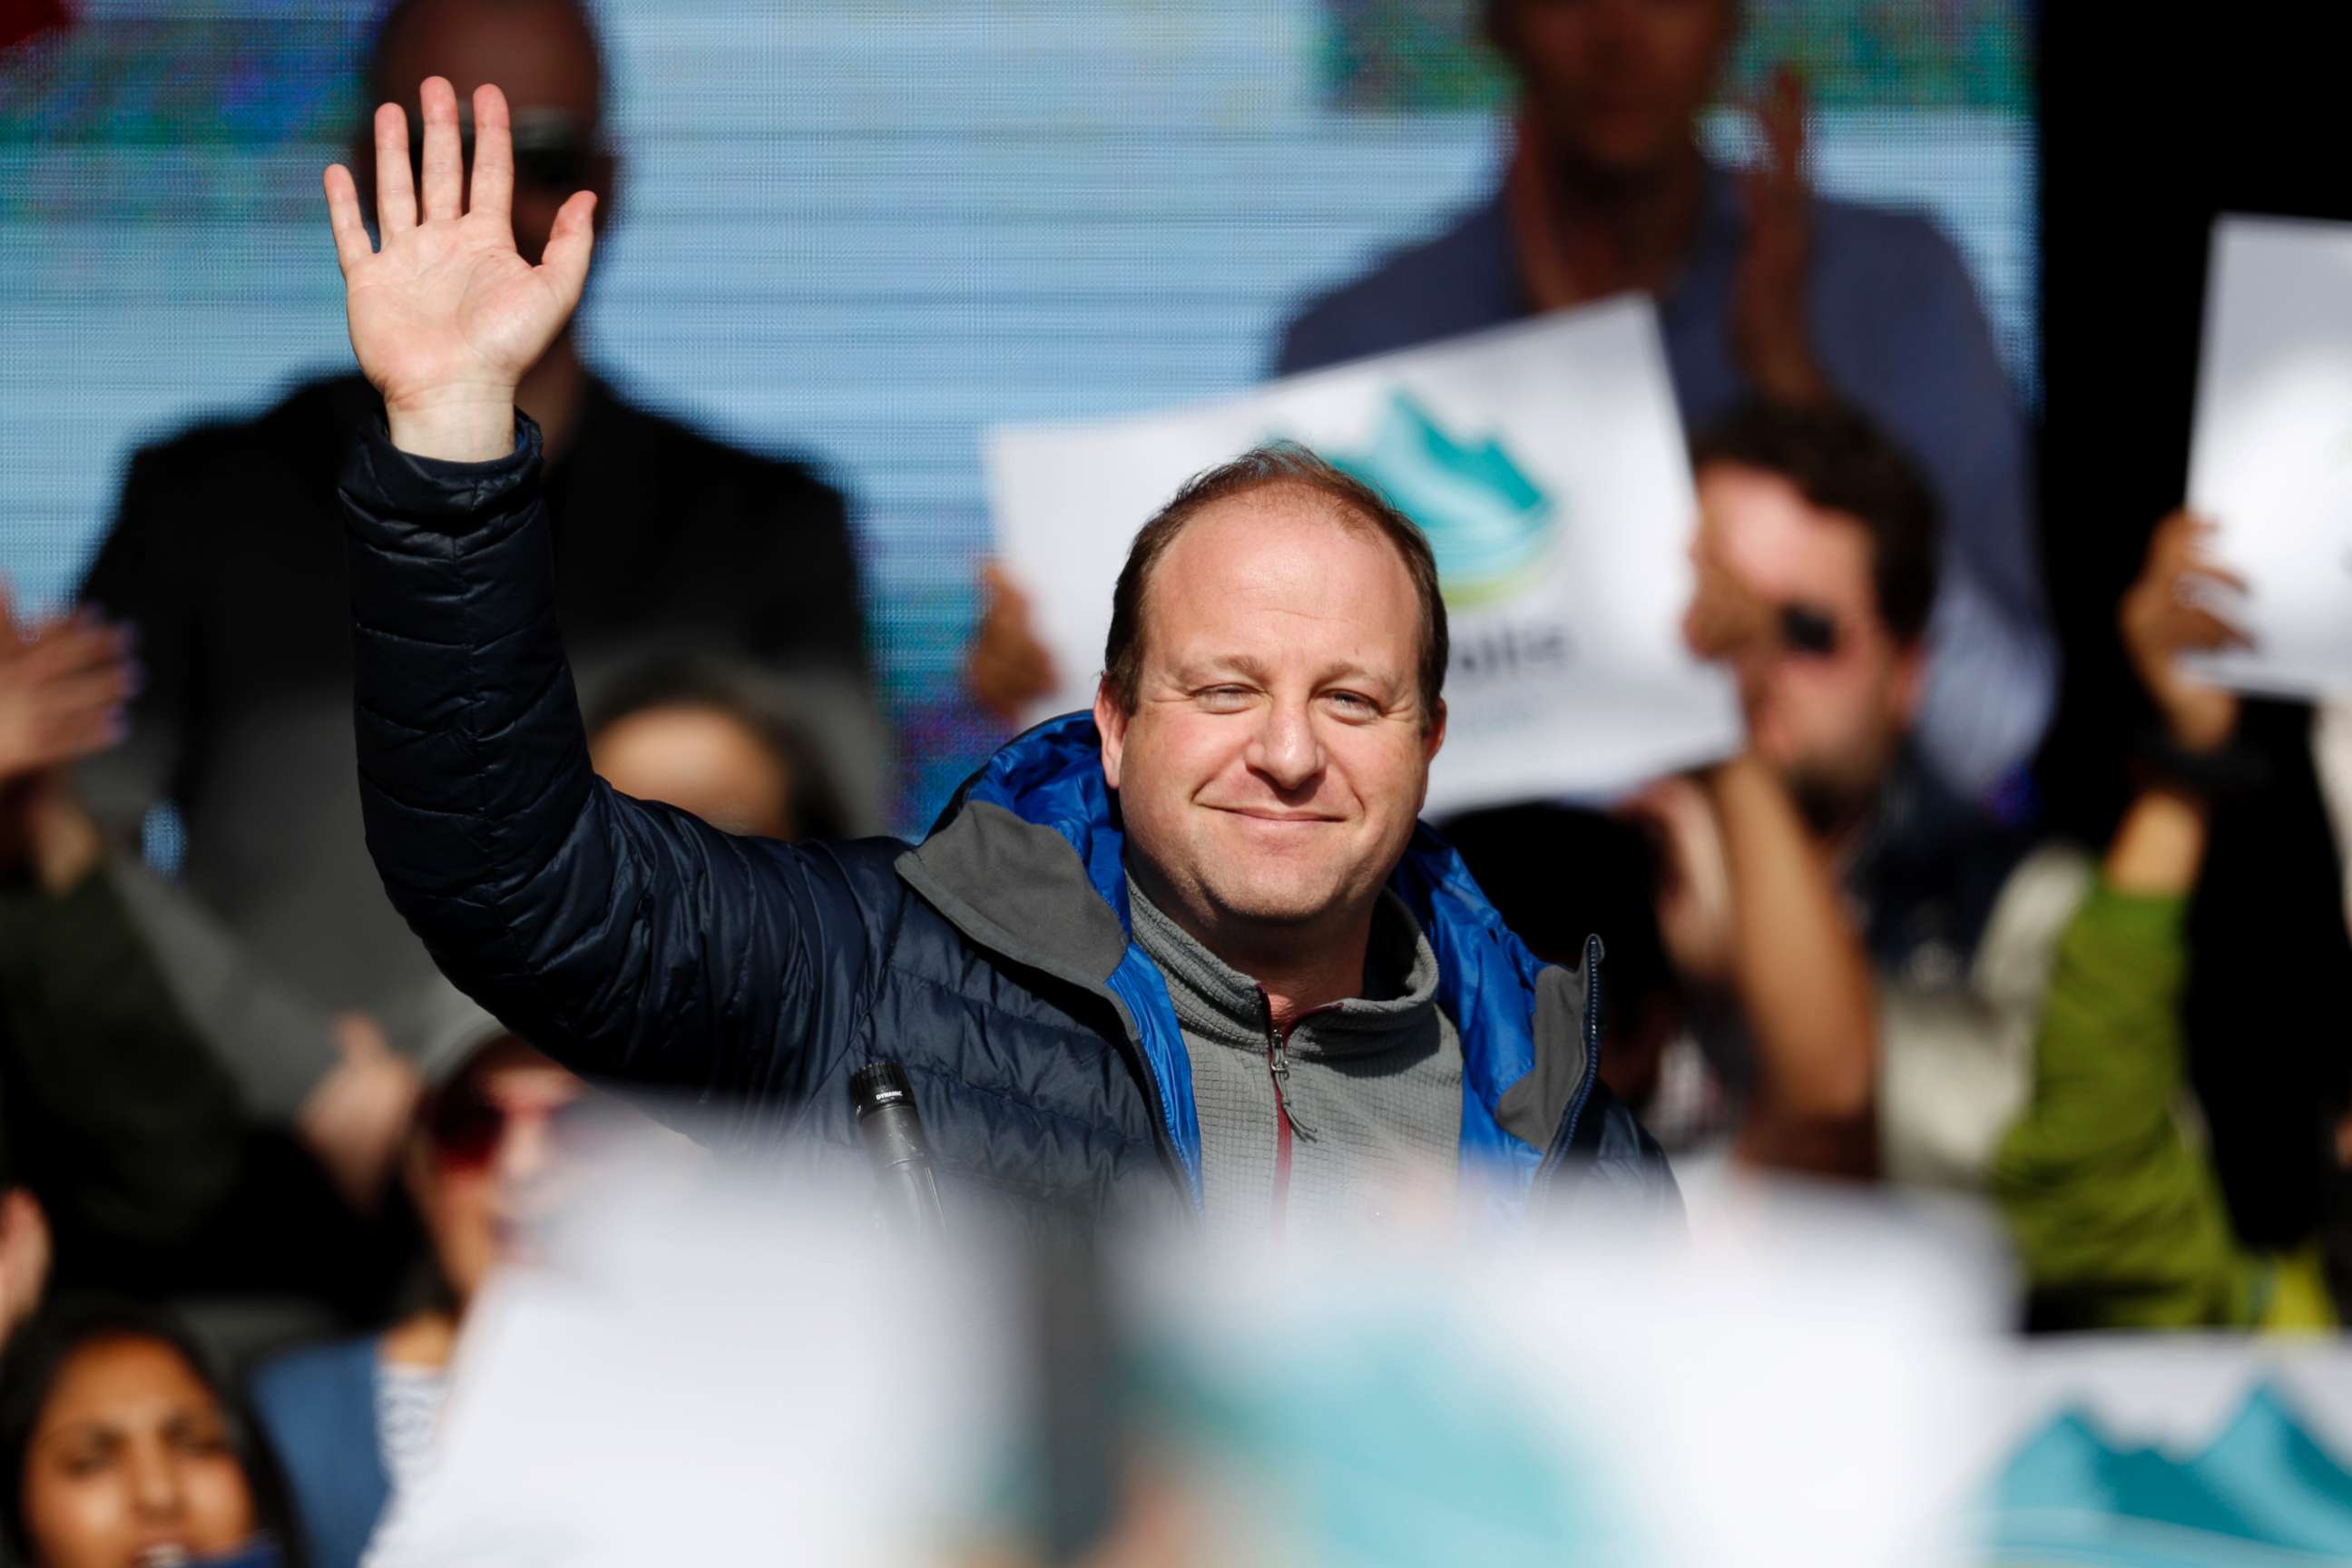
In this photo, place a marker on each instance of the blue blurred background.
(861, 231)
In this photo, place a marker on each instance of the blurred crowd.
(258, 1155)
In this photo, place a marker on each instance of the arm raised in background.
(329, 1076)
(2118, 1220)
(1752, 903)
(133, 1134)
(630, 940)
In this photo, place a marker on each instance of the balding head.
(1270, 715)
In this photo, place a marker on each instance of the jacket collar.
(1027, 860)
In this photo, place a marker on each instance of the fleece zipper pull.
(1286, 1121)
(1277, 1067)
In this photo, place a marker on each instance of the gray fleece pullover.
(1373, 1086)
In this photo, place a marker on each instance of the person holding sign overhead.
(1190, 951)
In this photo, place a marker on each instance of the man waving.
(1191, 948)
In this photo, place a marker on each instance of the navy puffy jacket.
(993, 959)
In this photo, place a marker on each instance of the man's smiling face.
(1279, 748)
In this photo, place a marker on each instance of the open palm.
(447, 315)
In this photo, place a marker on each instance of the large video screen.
(861, 231)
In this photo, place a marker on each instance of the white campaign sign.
(2271, 452)
(1548, 465)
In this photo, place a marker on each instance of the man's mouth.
(1283, 818)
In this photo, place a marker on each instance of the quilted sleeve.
(627, 939)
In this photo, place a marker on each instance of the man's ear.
(1435, 739)
(1110, 722)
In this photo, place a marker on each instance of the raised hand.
(1726, 623)
(447, 316)
(1695, 893)
(1007, 667)
(23, 1258)
(61, 691)
(1769, 333)
(2166, 613)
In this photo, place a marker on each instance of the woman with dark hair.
(119, 1447)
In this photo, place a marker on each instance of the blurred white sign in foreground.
(2270, 450)
(1547, 464)
(729, 1368)
(743, 1373)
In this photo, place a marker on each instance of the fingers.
(492, 192)
(1008, 666)
(1673, 804)
(351, 245)
(2205, 569)
(67, 690)
(395, 190)
(2169, 546)
(72, 647)
(70, 737)
(2181, 572)
(442, 168)
(2205, 632)
(565, 264)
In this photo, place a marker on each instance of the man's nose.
(1286, 751)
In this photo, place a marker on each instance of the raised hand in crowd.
(2170, 611)
(62, 690)
(1749, 907)
(1771, 335)
(446, 316)
(23, 1258)
(353, 1121)
(2115, 1212)
(1007, 667)
(1696, 919)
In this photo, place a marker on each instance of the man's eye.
(1354, 704)
(1225, 698)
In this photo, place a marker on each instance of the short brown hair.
(1287, 465)
(1840, 461)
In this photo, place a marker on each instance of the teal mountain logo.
(1388, 1448)
(1490, 525)
(2265, 1491)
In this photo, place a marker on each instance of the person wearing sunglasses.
(1886, 1028)
(496, 1142)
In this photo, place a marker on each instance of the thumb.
(565, 262)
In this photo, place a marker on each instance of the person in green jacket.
(2115, 1212)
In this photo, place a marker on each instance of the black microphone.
(894, 1138)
